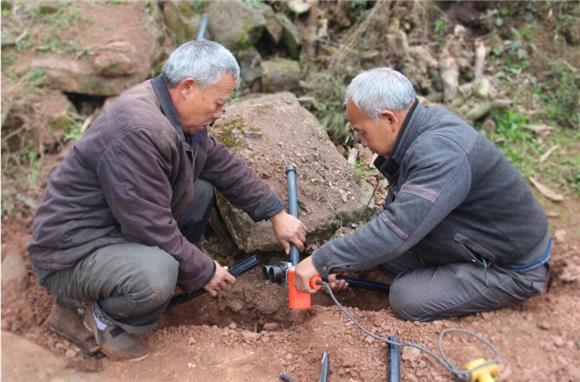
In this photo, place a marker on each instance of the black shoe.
(65, 320)
(114, 342)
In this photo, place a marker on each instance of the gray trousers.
(132, 283)
(421, 292)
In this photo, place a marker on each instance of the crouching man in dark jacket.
(124, 210)
(460, 230)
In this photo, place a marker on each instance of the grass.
(523, 148)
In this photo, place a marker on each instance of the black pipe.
(364, 284)
(235, 270)
(325, 368)
(292, 207)
(202, 27)
(394, 360)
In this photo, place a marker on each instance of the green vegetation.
(524, 148)
(325, 100)
(560, 95)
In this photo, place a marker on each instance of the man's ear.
(390, 117)
(186, 86)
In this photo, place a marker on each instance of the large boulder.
(235, 24)
(270, 132)
(120, 42)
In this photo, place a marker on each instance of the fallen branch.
(483, 109)
(548, 153)
(545, 191)
(480, 52)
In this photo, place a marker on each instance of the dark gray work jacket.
(130, 179)
(455, 198)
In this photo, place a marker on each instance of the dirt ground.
(249, 334)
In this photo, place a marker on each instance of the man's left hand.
(289, 229)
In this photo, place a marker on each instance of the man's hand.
(221, 281)
(289, 229)
(303, 272)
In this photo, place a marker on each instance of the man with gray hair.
(124, 211)
(459, 231)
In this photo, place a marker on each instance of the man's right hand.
(221, 281)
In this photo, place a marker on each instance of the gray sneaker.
(115, 343)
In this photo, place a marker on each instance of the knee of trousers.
(406, 304)
(203, 192)
(155, 283)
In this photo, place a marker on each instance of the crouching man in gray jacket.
(460, 230)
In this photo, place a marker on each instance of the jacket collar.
(389, 166)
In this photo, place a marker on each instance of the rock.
(280, 118)
(299, 6)
(235, 24)
(250, 65)
(280, 74)
(272, 326)
(410, 354)
(250, 336)
(23, 360)
(115, 59)
(181, 24)
(14, 274)
(105, 70)
(544, 325)
(559, 341)
(273, 28)
(291, 36)
(560, 235)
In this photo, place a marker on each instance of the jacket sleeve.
(239, 183)
(438, 180)
(133, 173)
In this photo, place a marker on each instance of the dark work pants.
(421, 292)
(132, 283)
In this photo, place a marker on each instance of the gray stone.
(235, 24)
(280, 74)
(273, 28)
(291, 36)
(14, 274)
(279, 118)
(181, 24)
(250, 65)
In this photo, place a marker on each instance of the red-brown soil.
(249, 335)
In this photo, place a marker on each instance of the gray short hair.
(203, 60)
(380, 89)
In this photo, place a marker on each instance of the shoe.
(65, 320)
(114, 342)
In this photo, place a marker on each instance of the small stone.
(544, 325)
(369, 339)
(410, 354)
(559, 341)
(288, 357)
(191, 365)
(560, 235)
(70, 353)
(191, 341)
(272, 326)
(250, 336)
(233, 325)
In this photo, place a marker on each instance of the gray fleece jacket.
(454, 198)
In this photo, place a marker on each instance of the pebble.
(272, 326)
(410, 354)
(233, 325)
(250, 336)
(559, 341)
(70, 353)
(544, 325)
